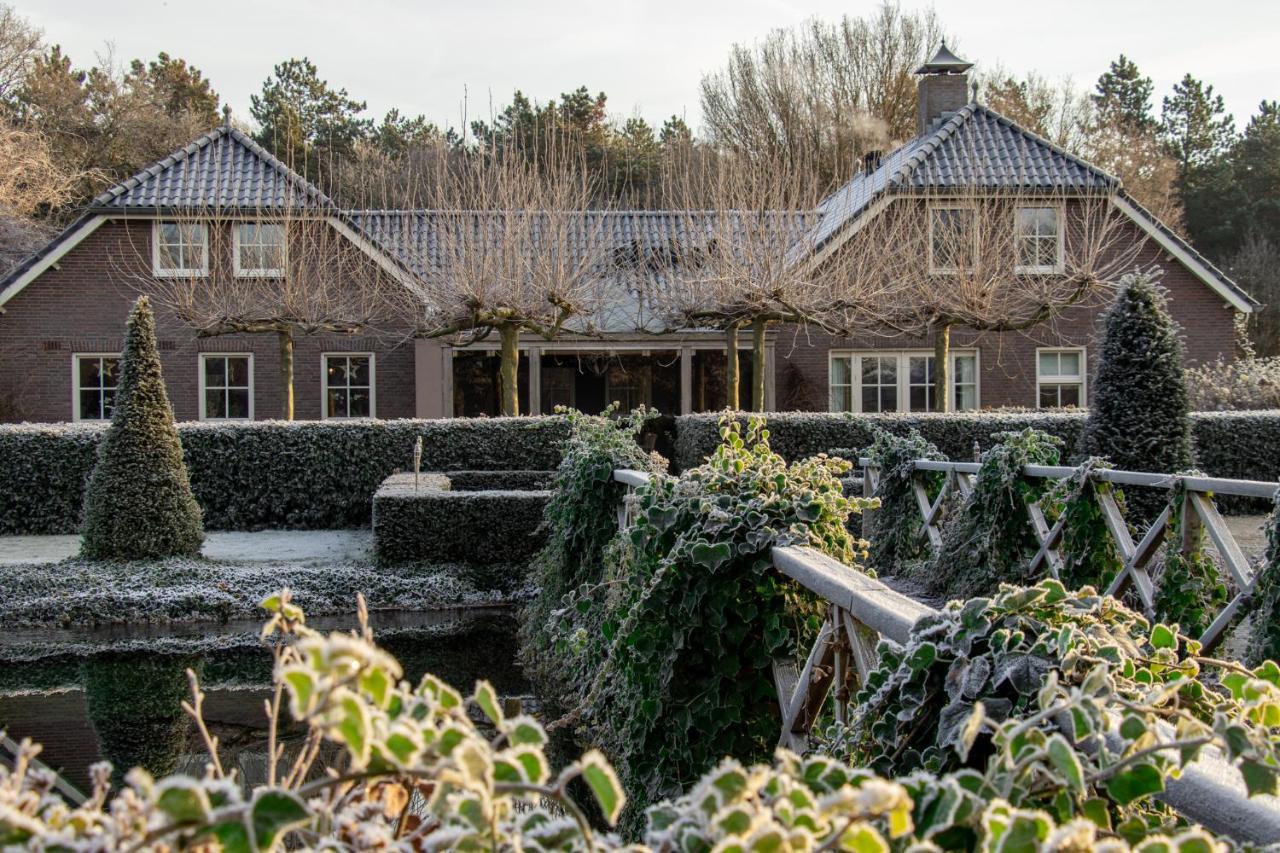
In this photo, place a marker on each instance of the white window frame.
(1060, 260)
(1059, 379)
(904, 375)
(250, 272)
(934, 269)
(162, 272)
(75, 383)
(324, 384)
(205, 356)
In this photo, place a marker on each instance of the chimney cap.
(944, 62)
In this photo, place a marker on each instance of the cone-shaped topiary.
(139, 503)
(1139, 417)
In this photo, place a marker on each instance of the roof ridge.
(155, 168)
(277, 164)
(930, 143)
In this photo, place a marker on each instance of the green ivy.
(579, 521)
(1189, 590)
(1264, 635)
(1089, 553)
(1007, 692)
(988, 540)
(898, 542)
(674, 648)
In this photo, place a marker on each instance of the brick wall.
(81, 304)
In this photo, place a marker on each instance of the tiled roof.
(223, 168)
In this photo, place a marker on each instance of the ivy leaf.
(183, 800)
(711, 556)
(1065, 761)
(1258, 778)
(274, 813)
(1163, 637)
(234, 837)
(1138, 781)
(487, 699)
(604, 785)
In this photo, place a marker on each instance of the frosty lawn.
(308, 546)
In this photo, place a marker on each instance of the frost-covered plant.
(1264, 634)
(1089, 553)
(897, 539)
(673, 649)
(1240, 384)
(1013, 693)
(1189, 589)
(580, 520)
(138, 504)
(988, 540)
(1138, 417)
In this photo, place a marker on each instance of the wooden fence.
(1197, 508)
(861, 610)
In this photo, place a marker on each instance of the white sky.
(648, 57)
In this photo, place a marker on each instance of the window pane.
(965, 368)
(215, 372)
(110, 371)
(1048, 364)
(108, 403)
(337, 403)
(1048, 396)
(358, 404)
(920, 398)
(921, 369)
(1069, 364)
(215, 403)
(841, 398)
(1068, 395)
(888, 370)
(89, 372)
(360, 371)
(840, 373)
(870, 399)
(966, 397)
(238, 403)
(336, 367)
(90, 404)
(889, 399)
(870, 370)
(238, 371)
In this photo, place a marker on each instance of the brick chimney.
(944, 88)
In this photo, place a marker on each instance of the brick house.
(62, 312)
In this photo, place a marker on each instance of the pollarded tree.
(1138, 418)
(138, 504)
(517, 249)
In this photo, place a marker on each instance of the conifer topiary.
(139, 504)
(1139, 417)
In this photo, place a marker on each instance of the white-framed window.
(226, 386)
(1060, 377)
(259, 249)
(879, 381)
(953, 238)
(94, 379)
(1039, 239)
(347, 385)
(180, 248)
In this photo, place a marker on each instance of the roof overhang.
(63, 243)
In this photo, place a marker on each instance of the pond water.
(115, 694)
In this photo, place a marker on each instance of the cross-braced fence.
(1192, 497)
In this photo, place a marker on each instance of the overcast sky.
(647, 56)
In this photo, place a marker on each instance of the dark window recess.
(709, 383)
(475, 384)
(590, 381)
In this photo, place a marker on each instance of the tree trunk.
(941, 368)
(286, 374)
(758, 354)
(509, 371)
(731, 367)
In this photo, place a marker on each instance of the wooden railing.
(1197, 507)
(861, 610)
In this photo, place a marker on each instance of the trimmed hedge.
(1236, 445)
(271, 474)
(436, 525)
(485, 481)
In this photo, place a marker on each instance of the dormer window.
(259, 249)
(1039, 238)
(953, 238)
(180, 249)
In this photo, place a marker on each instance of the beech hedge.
(270, 474)
(1236, 445)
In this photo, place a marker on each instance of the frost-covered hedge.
(483, 481)
(304, 474)
(1238, 445)
(438, 525)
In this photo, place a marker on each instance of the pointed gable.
(222, 169)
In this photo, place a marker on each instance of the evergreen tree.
(1138, 418)
(308, 125)
(1256, 165)
(1198, 133)
(139, 503)
(1123, 96)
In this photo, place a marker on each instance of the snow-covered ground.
(309, 546)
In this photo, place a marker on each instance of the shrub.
(894, 530)
(1090, 556)
(1013, 692)
(1243, 383)
(581, 520)
(987, 540)
(138, 504)
(672, 651)
(1138, 416)
(1189, 589)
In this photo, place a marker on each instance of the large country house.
(62, 312)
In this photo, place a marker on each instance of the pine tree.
(1256, 163)
(139, 503)
(1123, 96)
(1139, 415)
(1198, 133)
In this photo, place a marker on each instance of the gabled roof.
(222, 169)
